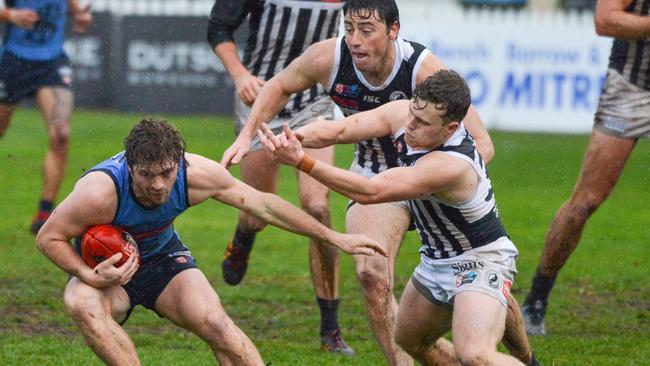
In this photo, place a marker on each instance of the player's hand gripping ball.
(102, 241)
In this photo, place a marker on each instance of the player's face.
(369, 41)
(152, 183)
(425, 128)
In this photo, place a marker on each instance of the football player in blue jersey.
(143, 189)
(33, 63)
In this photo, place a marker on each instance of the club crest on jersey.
(351, 91)
(397, 95)
(466, 278)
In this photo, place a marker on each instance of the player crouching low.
(143, 190)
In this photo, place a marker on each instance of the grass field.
(599, 313)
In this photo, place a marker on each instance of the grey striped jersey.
(449, 229)
(279, 32)
(631, 58)
(351, 91)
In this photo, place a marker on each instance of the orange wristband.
(306, 164)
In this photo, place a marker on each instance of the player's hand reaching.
(105, 274)
(358, 244)
(247, 87)
(284, 147)
(82, 19)
(236, 151)
(23, 18)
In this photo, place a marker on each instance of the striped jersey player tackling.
(467, 260)
(366, 68)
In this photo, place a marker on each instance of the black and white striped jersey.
(351, 91)
(450, 229)
(279, 31)
(631, 58)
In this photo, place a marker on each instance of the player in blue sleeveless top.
(33, 63)
(143, 190)
(467, 259)
(368, 67)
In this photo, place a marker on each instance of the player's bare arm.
(381, 121)
(446, 176)
(312, 67)
(612, 20)
(472, 121)
(207, 179)
(93, 201)
(23, 18)
(247, 85)
(83, 18)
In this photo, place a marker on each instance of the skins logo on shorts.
(506, 288)
(65, 73)
(466, 278)
(492, 279)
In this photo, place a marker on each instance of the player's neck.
(383, 70)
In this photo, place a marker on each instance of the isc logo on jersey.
(350, 91)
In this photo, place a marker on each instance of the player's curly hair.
(386, 10)
(153, 141)
(448, 92)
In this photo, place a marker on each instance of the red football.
(102, 241)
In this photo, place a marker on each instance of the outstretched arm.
(360, 126)
(394, 184)
(208, 179)
(312, 67)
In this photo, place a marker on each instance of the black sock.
(542, 286)
(45, 205)
(244, 238)
(329, 321)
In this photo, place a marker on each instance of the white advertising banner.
(529, 72)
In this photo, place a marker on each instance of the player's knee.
(60, 140)
(82, 305)
(217, 329)
(472, 356)
(373, 275)
(585, 204)
(319, 211)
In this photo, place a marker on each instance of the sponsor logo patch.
(466, 278)
(492, 279)
(182, 259)
(347, 90)
(617, 125)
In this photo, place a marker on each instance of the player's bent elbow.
(604, 26)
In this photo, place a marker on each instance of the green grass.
(600, 308)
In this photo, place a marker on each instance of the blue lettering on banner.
(479, 86)
(528, 55)
(530, 89)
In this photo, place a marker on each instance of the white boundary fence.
(527, 71)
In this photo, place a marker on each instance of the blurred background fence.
(531, 66)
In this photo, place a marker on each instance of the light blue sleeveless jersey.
(153, 229)
(43, 42)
